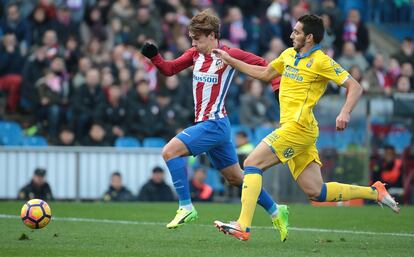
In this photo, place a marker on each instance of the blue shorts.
(212, 137)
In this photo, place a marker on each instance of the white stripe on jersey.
(207, 92)
(198, 63)
(223, 87)
(226, 75)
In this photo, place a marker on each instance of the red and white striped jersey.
(211, 78)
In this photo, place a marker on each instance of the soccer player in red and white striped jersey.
(211, 132)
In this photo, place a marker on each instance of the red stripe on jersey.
(214, 94)
(200, 85)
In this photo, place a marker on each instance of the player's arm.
(258, 72)
(168, 68)
(254, 60)
(354, 93)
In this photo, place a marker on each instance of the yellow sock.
(341, 192)
(252, 185)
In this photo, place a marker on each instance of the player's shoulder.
(322, 59)
(289, 50)
(321, 56)
(191, 51)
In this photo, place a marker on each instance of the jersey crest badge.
(288, 152)
(309, 64)
(219, 64)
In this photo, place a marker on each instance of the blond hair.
(205, 22)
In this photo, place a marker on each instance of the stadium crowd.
(75, 69)
(72, 71)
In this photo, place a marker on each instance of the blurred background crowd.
(71, 72)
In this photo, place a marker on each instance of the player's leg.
(255, 164)
(311, 182)
(224, 158)
(260, 159)
(172, 154)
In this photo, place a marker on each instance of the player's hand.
(342, 121)
(222, 55)
(149, 50)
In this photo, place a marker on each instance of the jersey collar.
(313, 49)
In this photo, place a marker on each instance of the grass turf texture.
(101, 232)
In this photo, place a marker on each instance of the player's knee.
(313, 193)
(168, 152)
(235, 180)
(250, 162)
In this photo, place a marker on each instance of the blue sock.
(267, 202)
(179, 177)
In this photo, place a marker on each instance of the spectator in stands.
(408, 70)
(170, 113)
(86, 100)
(93, 25)
(64, 25)
(377, 77)
(117, 192)
(236, 29)
(406, 52)
(97, 136)
(71, 54)
(124, 10)
(329, 8)
(271, 27)
(37, 188)
(112, 114)
(144, 27)
(243, 146)
(393, 70)
(144, 112)
(276, 47)
(199, 190)
(403, 85)
(53, 93)
(66, 136)
(125, 80)
(84, 65)
(329, 37)
(253, 105)
(51, 43)
(179, 95)
(33, 70)
(156, 190)
(356, 73)
(95, 50)
(13, 23)
(353, 30)
(11, 63)
(117, 34)
(39, 24)
(388, 170)
(351, 57)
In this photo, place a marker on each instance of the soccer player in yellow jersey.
(305, 71)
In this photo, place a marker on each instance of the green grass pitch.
(138, 229)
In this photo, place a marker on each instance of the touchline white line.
(128, 222)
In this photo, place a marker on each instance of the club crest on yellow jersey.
(309, 64)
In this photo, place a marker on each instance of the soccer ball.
(36, 214)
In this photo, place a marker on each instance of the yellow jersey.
(304, 80)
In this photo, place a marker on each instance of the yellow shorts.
(295, 145)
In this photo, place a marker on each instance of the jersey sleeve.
(169, 68)
(254, 60)
(279, 64)
(247, 57)
(331, 70)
